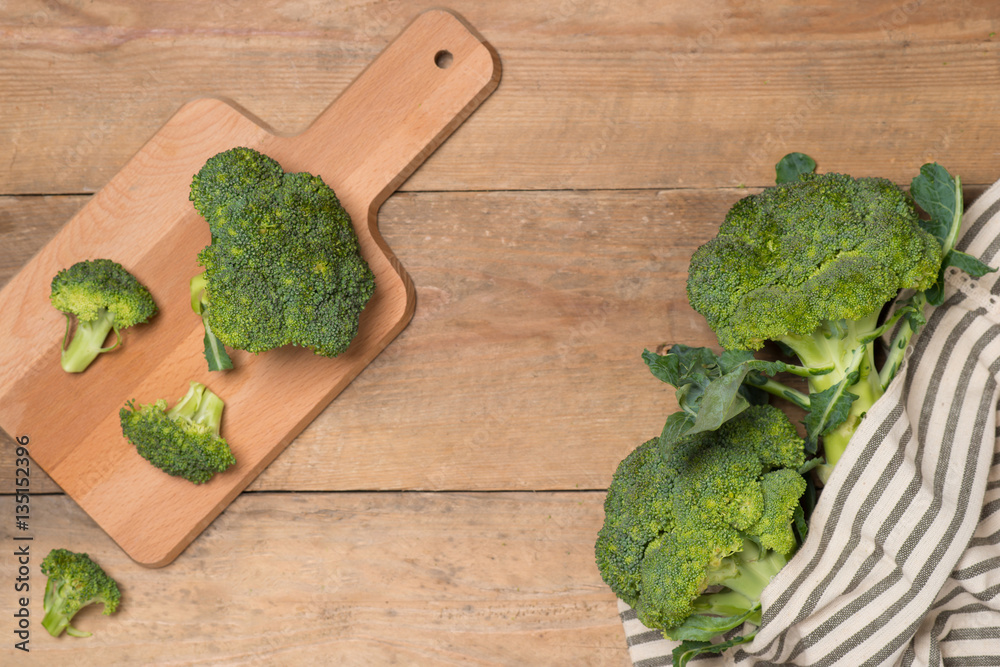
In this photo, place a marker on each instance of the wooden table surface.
(443, 509)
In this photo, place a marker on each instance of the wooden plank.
(364, 144)
(627, 94)
(27, 224)
(353, 579)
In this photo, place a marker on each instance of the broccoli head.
(103, 297)
(183, 441)
(796, 255)
(284, 266)
(810, 264)
(74, 581)
(696, 527)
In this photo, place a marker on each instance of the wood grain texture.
(601, 94)
(349, 579)
(363, 145)
(547, 242)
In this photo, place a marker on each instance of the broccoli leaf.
(960, 260)
(691, 649)
(701, 627)
(728, 395)
(827, 410)
(682, 365)
(792, 166)
(940, 196)
(800, 517)
(711, 388)
(966, 262)
(676, 426)
(721, 400)
(215, 352)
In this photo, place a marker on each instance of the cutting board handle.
(422, 87)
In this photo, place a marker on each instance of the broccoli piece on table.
(810, 264)
(284, 266)
(103, 297)
(183, 441)
(75, 581)
(696, 527)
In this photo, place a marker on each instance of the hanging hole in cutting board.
(443, 59)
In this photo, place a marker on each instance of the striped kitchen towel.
(902, 563)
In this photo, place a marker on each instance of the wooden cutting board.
(364, 145)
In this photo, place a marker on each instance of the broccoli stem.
(723, 603)
(88, 341)
(188, 404)
(56, 620)
(209, 412)
(782, 390)
(848, 348)
(897, 350)
(756, 568)
(199, 405)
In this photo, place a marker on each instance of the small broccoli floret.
(75, 581)
(698, 526)
(103, 297)
(284, 266)
(810, 264)
(183, 441)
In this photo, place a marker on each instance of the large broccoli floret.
(695, 528)
(103, 297)
(183, 441)
(810, 264)
(284, 266)
(800, 254)
(75, 581)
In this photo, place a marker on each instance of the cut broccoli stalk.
(87, 342)
(199, 406)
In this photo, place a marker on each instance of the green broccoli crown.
(825, 247)
(677, 514)
(284, 266)
(87, 287)
(183, 441)
(74, 581)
